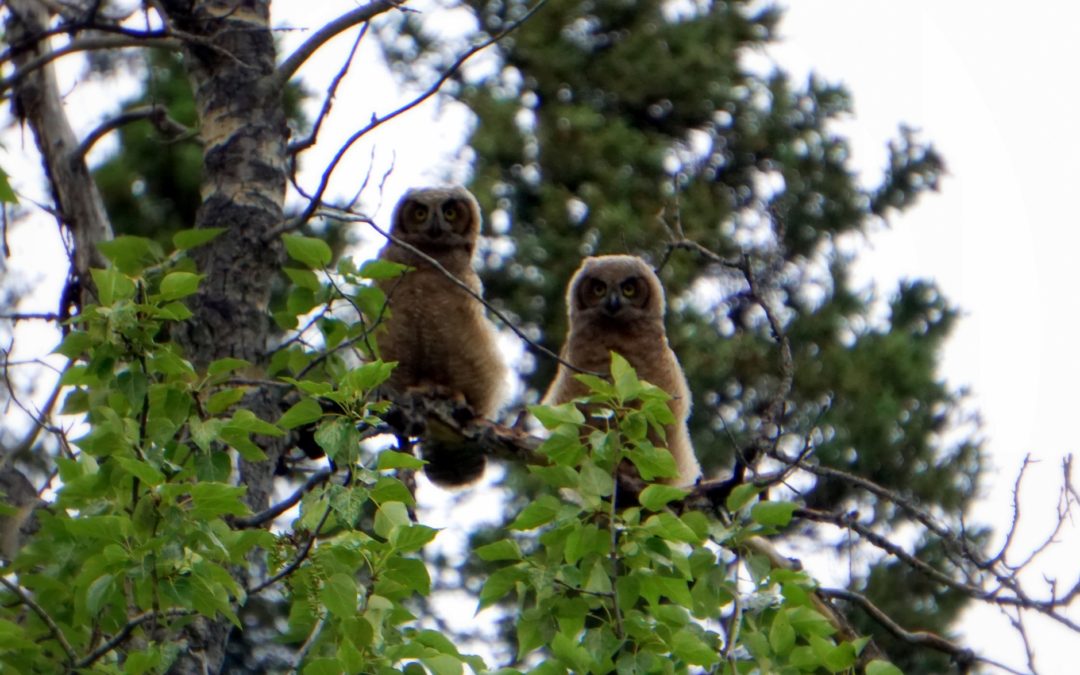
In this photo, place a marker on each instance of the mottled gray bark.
(242, 123)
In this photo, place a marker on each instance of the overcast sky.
(993, 86)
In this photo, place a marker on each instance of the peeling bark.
(37, 100)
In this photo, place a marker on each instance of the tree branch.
(43, 615)
(290, 65)
(36, 93)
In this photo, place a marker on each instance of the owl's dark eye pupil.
(599, 288)
(629, 289)
(420, 214)
(449, 212)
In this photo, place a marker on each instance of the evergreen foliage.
(615, 127)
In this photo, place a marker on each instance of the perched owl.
(436, 331)
(616, 303)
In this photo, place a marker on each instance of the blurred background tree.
(611, 127)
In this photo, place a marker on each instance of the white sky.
(990, 85)
(1000, 238)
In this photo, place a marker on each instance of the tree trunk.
(37, 100)
(231, 61)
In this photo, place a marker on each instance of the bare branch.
(320, 37)
(259, 519)
(315, 200)
(36, 92)
(157, 114)
(328, 102)
(103, 42)
(125, 632)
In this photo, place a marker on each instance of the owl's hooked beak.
(436, 228)
(613, 303)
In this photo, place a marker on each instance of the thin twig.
(337, 215)
(25, 598)
(317, 478)
(315, 200)
(125, 632)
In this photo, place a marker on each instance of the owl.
(438, 333)
(616, 304)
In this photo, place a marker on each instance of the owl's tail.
(452, 464)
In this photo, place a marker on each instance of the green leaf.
(841, 657)
(393, 459)
(781, 634)
(652, 462)
(390, 515)
(692, 649)
(772, 513)
(443, 664)
(563, 446)
(360, 380)
(498, 584)
(404, 576)
(323, 666)
(220, 401)
(75, 344)
(129, 254)
(382, 269)
(174, 311)
(177, 285)
(140, 470)
(552, 416)
(7, 195)
(654, 497)
(595, 482)
(338, 438)
(809, 623)
(314, 253)
(245, 420)
(210, 500)
(188, 239)
(571, 653)
(339, 594)
(98, 592)
(412, 538)
(305, 411)
(741, 496)
(504, 549)
(226, 365)
(205, 433)
(112, 286)
(627, 385)
(389, 489)
(879, 667)
(303, 278)
(350, 657)
(597, 385)
(536, 513)
(804, 658)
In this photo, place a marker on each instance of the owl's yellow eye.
(598, 288)
(629, 289)
(420, 213)
(449, 212)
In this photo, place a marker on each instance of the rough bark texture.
(37, 100)
(242, 122)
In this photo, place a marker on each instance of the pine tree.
(622, 127)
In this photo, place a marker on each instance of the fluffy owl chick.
(616, 304)
(436, 331)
